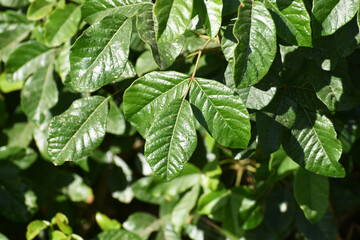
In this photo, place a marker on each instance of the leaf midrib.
(82, 125)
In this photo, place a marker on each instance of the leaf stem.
(196, 66)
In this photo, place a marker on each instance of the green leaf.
(116, 121)
(39, 93)
(6, 86)
(105, 223)
(23, 158)
(221, 113)
(117, 234)
(26, 59)
(100, 54)
(210, 203)
(171, 140)
(256, 48)
(17, 200)
(62, 25)
(79, 130)
(20, 134)
(181, 211)
(313, 144)
(164, 53)
(142, 224)
(62, 64)
(57, 235)
(14, 27)
(330, 15)
(311, 192)
(210, 14)
(39, 9)
(173, 17)
(78, 191)
(145, 63)
(35, 227)
(14, 3)
(62, 222)
(95, 10)
(148, 95)
(292, 21)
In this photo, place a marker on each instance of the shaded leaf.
(117, 234)
(20, 134)
(23, 158)
(100, 54)
(142, 224)
(313, 144)
(311, 192)
(292, 21)
(164, 53)
(79, 130)
(116, 121)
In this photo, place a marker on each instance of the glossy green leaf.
(116, 121)
(311, 192)
(292, 21)
(221, 113)
(142, 224)
(26, 59)
(105, 223)
(256, 48)
(35, 227)
(39, 9)
(62, 64)
(145, 63)
(164, 53)
(117, 234)
(14, 27)
(210, 14)
(39, 93)
(95, 10)
(23, 158)
(330, 15)
(79, 130)
(14, 3)
(182, 209)
(171, 140)
(62, 25)
(100, 54)
(148, 95)
(173, 17)
(313, 144)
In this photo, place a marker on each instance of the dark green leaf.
(99, 55)
(164, 53)
(256, 48)
(330, 15)
(148, 95)
(23, 158)
(325, 229)
(79, 130)
(210, 14)
(221, 113)
(313, 144)
(173, 17)
(20, 134)
(311, 192)
(171, 140)
(117, 234)
(292, 21)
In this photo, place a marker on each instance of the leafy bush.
(179, 119)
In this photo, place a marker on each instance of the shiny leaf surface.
(256, 48)
(171, 140)
(99, 55)
(221, 113)
(164, 53)
(210, 14)
(173, 17)
(79, 130)
(313, 144)
(148, 95)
